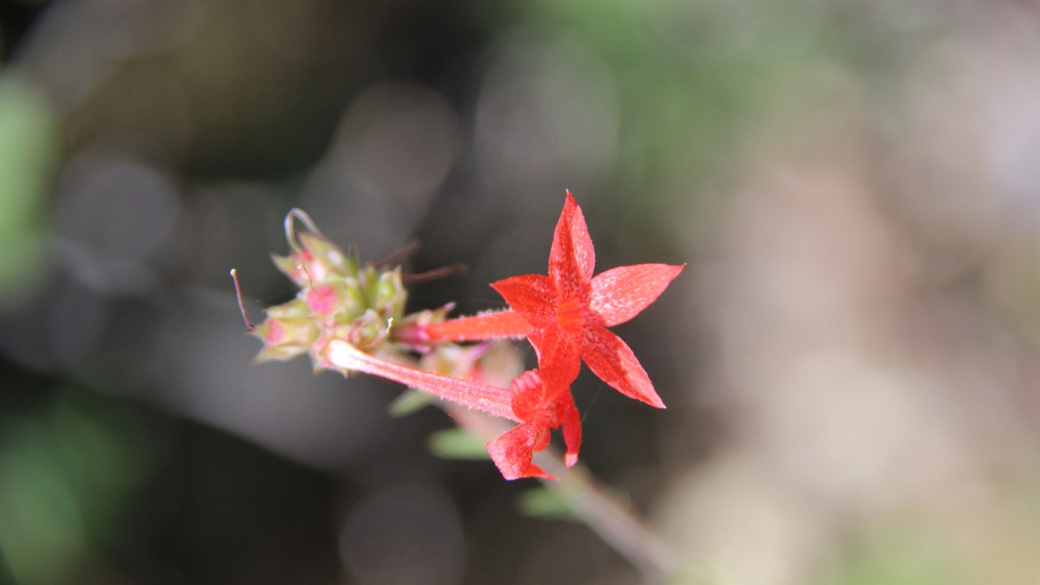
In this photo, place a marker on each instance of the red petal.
(611, 359)
(513, 450)
(572, 258)
(559, 359)
(569, 418)
(490, 399)
(621, 293)
(479, 327)
(531, 295)
(528, 395)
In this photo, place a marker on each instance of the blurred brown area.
(849, 360)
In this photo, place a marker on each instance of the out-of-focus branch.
(613, 521)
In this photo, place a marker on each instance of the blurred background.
(851, 359)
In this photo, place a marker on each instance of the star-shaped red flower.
(565, 314)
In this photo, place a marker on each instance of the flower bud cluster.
(364, 305)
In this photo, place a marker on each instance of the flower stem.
(605, 515)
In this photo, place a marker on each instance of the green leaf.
(548, 502)
(410, 401)
(457, 443)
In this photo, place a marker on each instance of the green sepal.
(294, 309)
(368, 278)
(286, 265)
(279, 353)
(353, 261)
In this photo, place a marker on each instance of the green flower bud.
(390, 295)
(353, 303)
(368, 330)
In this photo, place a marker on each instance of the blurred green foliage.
(66, 474)
(551, 504)
(28, 153)
(695, 78)
(906, 552)
(691, 79)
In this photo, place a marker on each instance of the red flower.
(542, 407)
(538, 407)
(565, 314)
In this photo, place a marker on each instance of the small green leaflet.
(456, 443)
(410, 401)
(548, 502)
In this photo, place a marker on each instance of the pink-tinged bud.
(327, 260)
(287, 332)
(341, 299)
(412, 330)
(318, 262)
(413, 335)
(368, 330)
(323, 299)
(274, 334)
